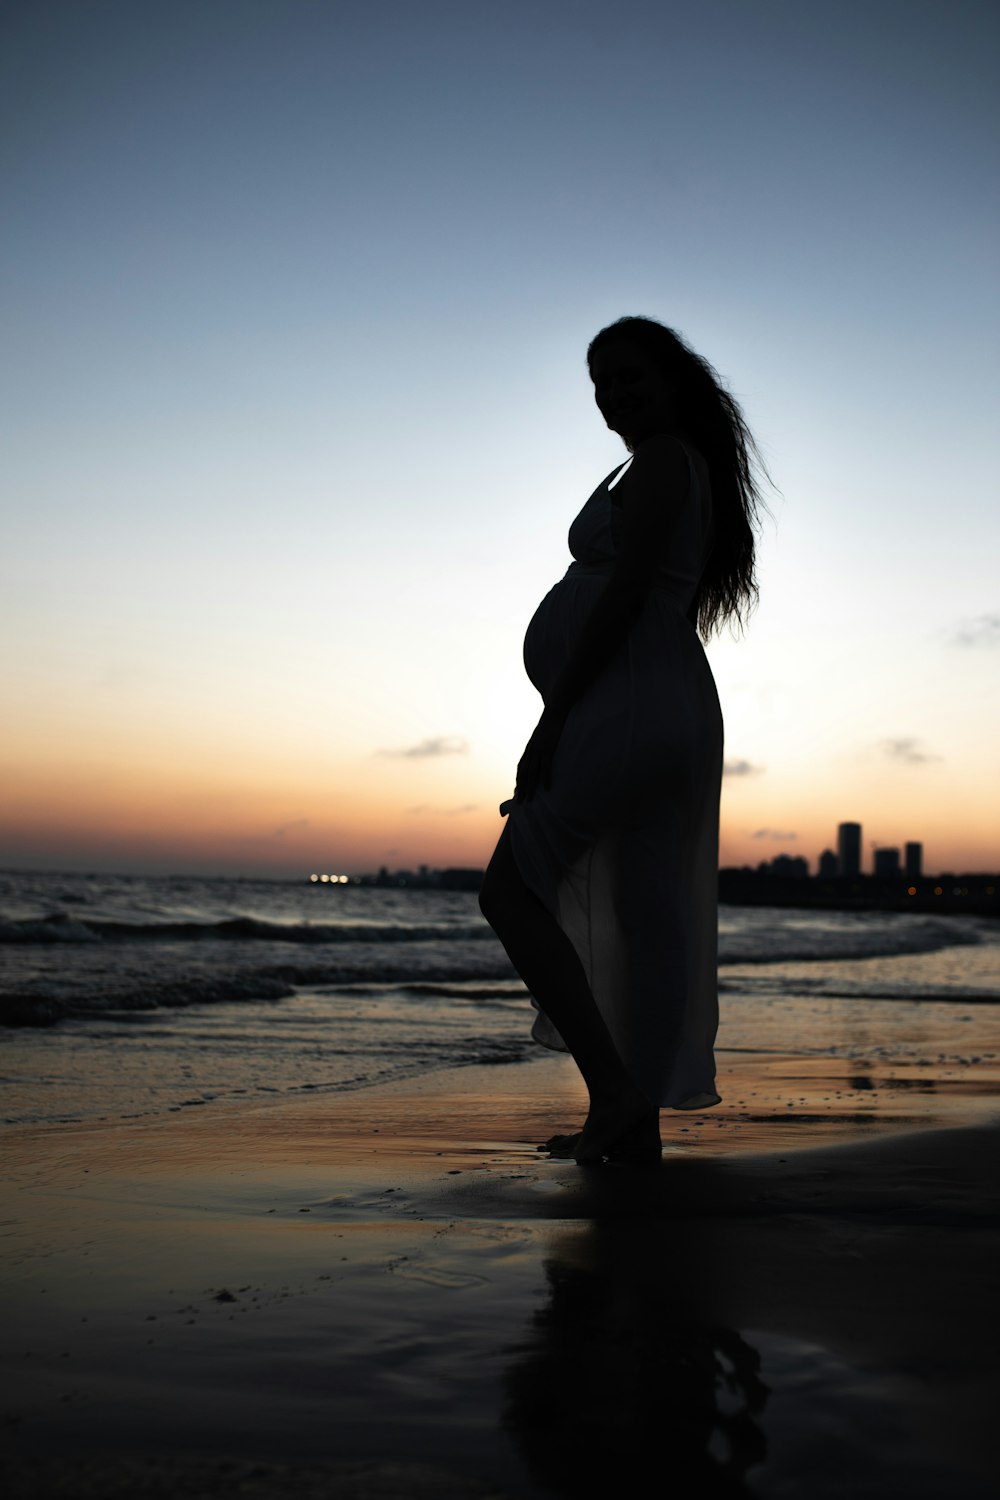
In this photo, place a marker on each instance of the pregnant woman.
(603, 886)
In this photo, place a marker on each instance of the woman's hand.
(535, 766)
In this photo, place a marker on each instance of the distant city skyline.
(909, 866)
(906, 860)
(848, 860)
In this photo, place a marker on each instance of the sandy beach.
(392, 1293)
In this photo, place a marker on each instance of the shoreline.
(376, 1293)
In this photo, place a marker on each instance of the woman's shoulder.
(675, 460)
(661, 462)
(668, 448)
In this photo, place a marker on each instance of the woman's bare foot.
(620, 1131)
(562, 1145)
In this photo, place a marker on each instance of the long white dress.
(623, 846)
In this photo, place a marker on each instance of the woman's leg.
(550, 967)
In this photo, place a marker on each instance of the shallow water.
(338, 989)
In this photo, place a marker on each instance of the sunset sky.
(296, 296)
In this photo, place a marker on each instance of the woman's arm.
(652, 492)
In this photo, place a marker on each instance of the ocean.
(127, 996)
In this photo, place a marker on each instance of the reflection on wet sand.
(624, 1372)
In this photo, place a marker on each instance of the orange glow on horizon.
(132, 825)
(140, 801)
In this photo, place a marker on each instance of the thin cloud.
(909, 751)
(983, 630)
(740, 768)
(773, 833)
(442, 744)
(444, 812)
(276, 835)
(286, 828)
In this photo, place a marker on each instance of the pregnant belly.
(555, 626)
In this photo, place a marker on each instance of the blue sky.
(296, 298)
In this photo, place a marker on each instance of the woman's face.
(633, 396)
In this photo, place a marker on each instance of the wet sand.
(391, 1293)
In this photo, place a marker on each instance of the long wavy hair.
(712, 420)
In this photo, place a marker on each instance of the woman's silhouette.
(603, 886)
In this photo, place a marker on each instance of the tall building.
(914, 856)
(849, 849)
(827, 864)
(887, 864)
